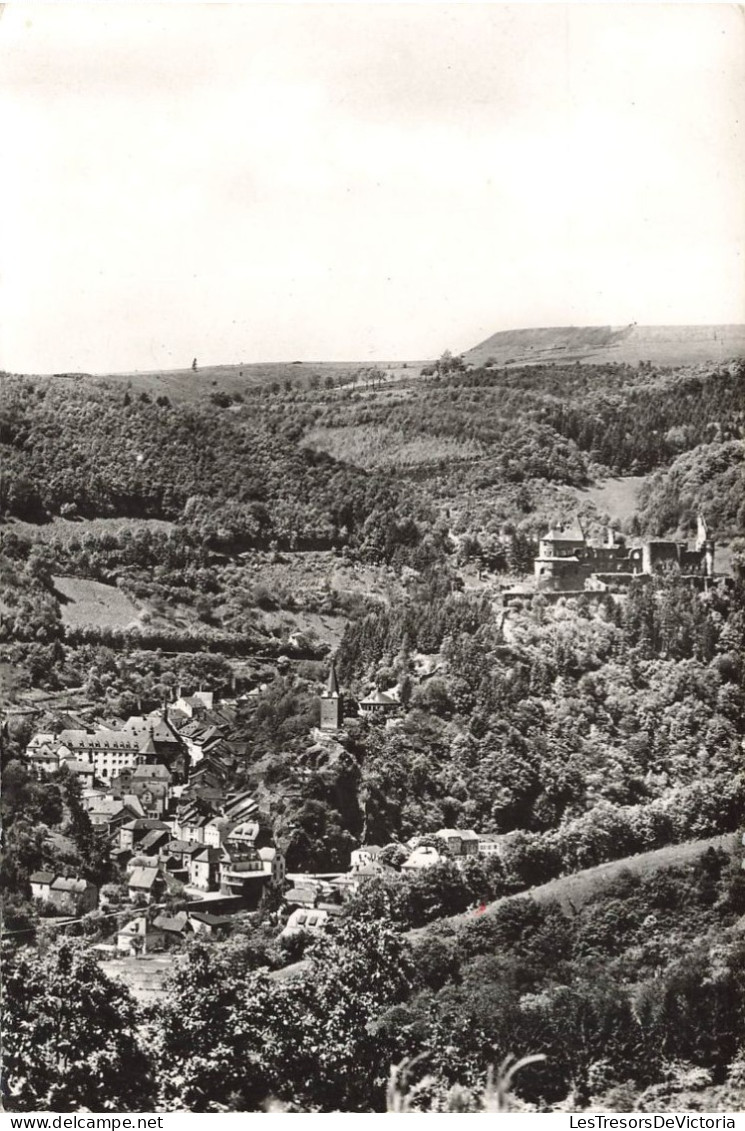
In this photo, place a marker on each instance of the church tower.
(332, 704)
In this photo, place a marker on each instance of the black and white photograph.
(372, 560)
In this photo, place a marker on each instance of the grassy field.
(64, 529)
(243, 378)
(379, 446)
(617, 497)
(93, 603)
(571, 892)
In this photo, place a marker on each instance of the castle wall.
(567, 566)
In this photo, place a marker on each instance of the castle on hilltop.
(568, 562)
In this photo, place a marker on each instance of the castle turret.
(705, 546)
(332, 703)
(702, 532)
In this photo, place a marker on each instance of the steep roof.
(148, 746)
(240, 806)
(79, 767)
(245, 830)
(211, 920)
(40, 740)
(155, 772)
(64, 884)
(101, 739)
(141, 727)
(187, 847)
(41, 877)
(143, 878)
(379, 697)
(300, 895)
(572, 534)
(109, 806)
(174, 923)
(332, 687)
(153, 838)
(146, 823)
(464, 834)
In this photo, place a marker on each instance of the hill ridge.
(661, 344)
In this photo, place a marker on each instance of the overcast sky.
(250, 182)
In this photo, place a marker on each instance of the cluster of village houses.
(158, 786)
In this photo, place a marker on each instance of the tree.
(202, 1040)
(321, 1045)
(70, 1036)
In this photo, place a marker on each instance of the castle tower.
(702, 532)
(332, 704)
(705, 546)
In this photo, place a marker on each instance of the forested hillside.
(250, 534)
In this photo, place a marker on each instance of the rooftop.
(143, 878)
(41, 877)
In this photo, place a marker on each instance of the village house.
(245, 871)
(193, 706)
(379, 704)
(345, 885)
(132, 833)
(422, 857)
(245, 832)
(140, 936)
(460, 842)
(315, 920)
(203, 923)
(108, 814)
(216, 831)
(175, 928)
(83, 771)
(490, 844)
(64, 895)
(40, 884)
(176, 855)
(303, 896)
(150, 783)
(273, 862)
(204, 869)
(147, 882)
(349, 883)
(153, 842)
(365, 854)
(189, 824)
(43, 747)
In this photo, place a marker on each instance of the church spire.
(332, 687)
